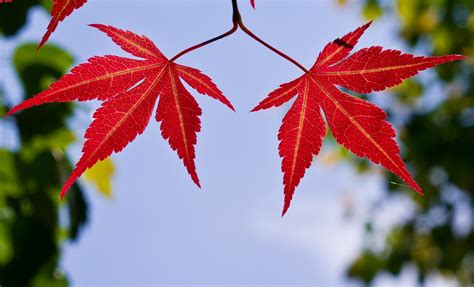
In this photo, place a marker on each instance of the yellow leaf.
(101, 176)
(372, 10)
(341, 2)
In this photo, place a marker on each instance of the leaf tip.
(11, 112)
(101, 27)
(256, 109)
(419, 191)
(288, 197)
(71, 180)
(366, 26)
(413, 185)
(63, 194)
(458, 57)
(231, 107)
(43, 41)
(195, 178)
(97, 26)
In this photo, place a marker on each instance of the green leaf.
(372, 10)
(6, 251)
(407, 11)
(49, 56)
(3, 108)
(13, 16)
(49, 275)
(36, 70)
(9, 183)
(57, 142)
(47, 5)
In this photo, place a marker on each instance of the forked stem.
(238, 23)
(226, 34)
(247, 31)
(236, 19)
(275, 50)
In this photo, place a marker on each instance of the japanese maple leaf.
(61, 9)
(357, 124)
(129, 89)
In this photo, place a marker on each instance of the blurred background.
(137, 219)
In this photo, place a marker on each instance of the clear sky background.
(159, 228)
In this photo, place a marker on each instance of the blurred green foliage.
(14, 15)
(436, 113)
(34, 223)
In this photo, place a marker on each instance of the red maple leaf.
(357, 124)
(61, 9)
(129, 89)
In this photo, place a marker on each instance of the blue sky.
(160, 228)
